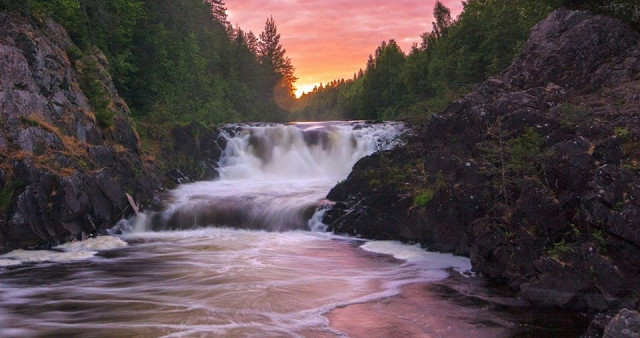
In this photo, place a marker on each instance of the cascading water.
(219, 281)
(274, 177)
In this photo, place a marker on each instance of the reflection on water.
(208, 281)
(226, 282)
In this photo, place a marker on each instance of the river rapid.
(243, 255)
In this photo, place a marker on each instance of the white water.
(63, 253)
(303, 150)
(274, 177)
(206, 282)
(218, 281)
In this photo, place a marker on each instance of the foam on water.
(273, 177)
(225, 281)
(93, 244)
(63, 253)
(303, 150)
(416, 255)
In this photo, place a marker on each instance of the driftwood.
(133, 204)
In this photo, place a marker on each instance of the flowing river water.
(247, 255)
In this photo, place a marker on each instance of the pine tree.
(219, 12)
(271, 54)
(252, 42)
(442, 15)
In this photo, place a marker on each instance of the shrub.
(525, 151)
(423, 198)
(95, 92)
(74, 53)
(558, 248)
(622, 133)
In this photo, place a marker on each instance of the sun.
(305, 88)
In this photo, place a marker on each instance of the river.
(248, 255)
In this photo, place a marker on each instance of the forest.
(452, 57)
(182, 61)
(177, 61)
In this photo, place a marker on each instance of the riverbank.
(534, 175)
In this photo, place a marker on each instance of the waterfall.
(274, 176)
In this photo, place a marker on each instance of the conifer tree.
(442, 15)
(271, 54)
(219, 13)
(252, 42)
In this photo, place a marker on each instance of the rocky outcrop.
(63, 173)
(69, 153)
(192, 153)
(625, 324)
(535, 174)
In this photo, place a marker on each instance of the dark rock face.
(194, 153)
(625, 324)
(567, 48)
(535, 174)
(63, 175)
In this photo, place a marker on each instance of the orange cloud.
(332, 39)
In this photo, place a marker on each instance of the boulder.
(625, 324)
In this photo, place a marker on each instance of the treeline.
(452, 57)
(178, 61)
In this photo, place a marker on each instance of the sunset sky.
(332, 39)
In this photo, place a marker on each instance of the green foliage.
(558, 249)
(95, 92)
(626, 10)
(172, 61)
(451, 59)
(74, 53)
(575, 231)
(7, 192)
(271, 54)
(623, 133)
(524, 152)
(510, 161)
(572, 115)
(598, 236)
(6, 195)
(423, 198)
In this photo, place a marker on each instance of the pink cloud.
(332, 39)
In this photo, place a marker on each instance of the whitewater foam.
(303, 150)
(414, 254)
(273, 176)
(63, 253)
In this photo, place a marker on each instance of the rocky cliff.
(535, 174)
(69, 153)
(63, 172)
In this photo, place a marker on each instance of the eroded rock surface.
(63, 174)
